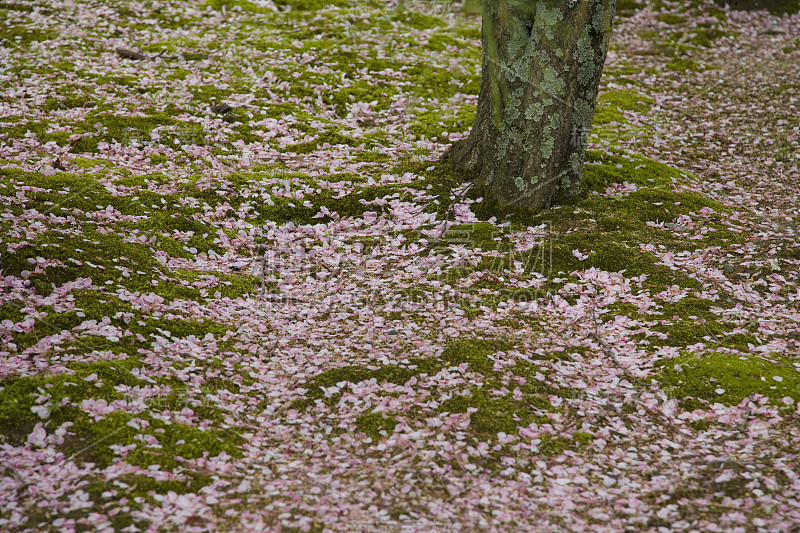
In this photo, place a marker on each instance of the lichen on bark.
(542, 63)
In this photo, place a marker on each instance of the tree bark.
(542, 62)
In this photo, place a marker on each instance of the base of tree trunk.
(541, 68)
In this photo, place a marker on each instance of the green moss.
(19, 393)
(705, 37)
(792, 47)
(433, 123)
(476, 235)
(285, 108)
(51, 324)
(108, 257)
(553, 446)
(139, 486)
(689, 307)
(182, 328)
(602, 170)
(683, 64)
(10, 311)
(69, 101)
(494, 414)
(127, 129)
(85, 162)
(193, 245)
(417, 20)
(371, 156)
(700, 377)
(688, 321)
(671, 18)
(628, 7)
(610, 229)
(182, 440)
(9, 6)
(376, 425)
(95, 437)
(209, 94)
(245, 5)
(99, 306)
(310, 5)
(614, 257)
(229, 285)
(470, 32)
(99, 248)
(18, 35)
(39, 128)
(332, 138)
(611, 104)
(440, 41)
(362, 91)
(428, 81)
(475, 353)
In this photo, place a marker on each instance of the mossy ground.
(118, 211)
(728, 379)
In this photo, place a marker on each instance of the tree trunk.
(542, 62)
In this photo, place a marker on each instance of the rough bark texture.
(542, 62)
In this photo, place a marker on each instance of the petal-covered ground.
(238, 290)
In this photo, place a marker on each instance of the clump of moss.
(611, 228)
(309, 5)
(127, 129)
(376, 425)
(8, 6)
(602, 170)
(671, 18)
(417, 20)
(682, 64)
(145, 487)
(688, 321)
(330, 137)
(792, 47)
(432, 124)
(52, 245)
(85, 162)
(475, 353)
(437, 82)
(494, 414)
(362, 91)
(180, 329)
(69, 101)
(476, 235)
(705, 37)
(728, 379)
(244, 5)
(22, 36)
(37, 127)
(440, 41)
(626, 8)
(101, 379)
(19, 393)
(611, 104)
